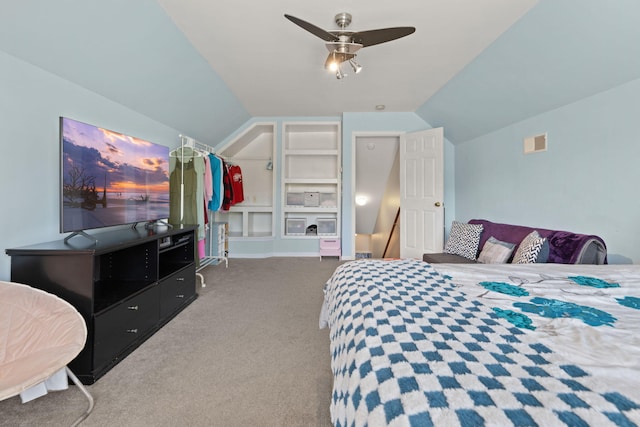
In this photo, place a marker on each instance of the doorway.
(393, 170)
(377, 196)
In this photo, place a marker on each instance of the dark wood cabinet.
(126, 285)
(175, 289)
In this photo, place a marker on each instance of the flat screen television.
(108, 178)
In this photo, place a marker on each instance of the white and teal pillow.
(495, 251)
(464, 240)
(531, 250)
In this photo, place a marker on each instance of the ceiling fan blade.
(317, 31)
(373, 37)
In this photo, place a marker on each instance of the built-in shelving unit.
(253, 151)
(311, 176)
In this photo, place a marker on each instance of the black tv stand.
(81, 233)
(126, 283)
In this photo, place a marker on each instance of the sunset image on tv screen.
(109, 178)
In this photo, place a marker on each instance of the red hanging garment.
(227, 199)
(236, 183)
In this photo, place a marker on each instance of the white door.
(421, 193)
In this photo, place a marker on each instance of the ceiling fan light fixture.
(333, 64)
(339, 74)
(355, 66)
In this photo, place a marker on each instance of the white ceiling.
(276, 68)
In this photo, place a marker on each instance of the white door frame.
(352, 190)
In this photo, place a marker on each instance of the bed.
(483, 345)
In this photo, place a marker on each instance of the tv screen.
(108, 178)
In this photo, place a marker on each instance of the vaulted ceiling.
(276, 68)
(205, 68)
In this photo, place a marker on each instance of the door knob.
(437, 204)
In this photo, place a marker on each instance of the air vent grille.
(535, 144)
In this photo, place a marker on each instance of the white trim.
(277, 254)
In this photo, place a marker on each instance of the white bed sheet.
(611, 352)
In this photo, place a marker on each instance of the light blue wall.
(128, 51)
(119, 64)
(384, 122)
(559, 52)
(31, 103)
(587, 181)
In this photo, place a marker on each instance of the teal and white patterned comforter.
(414, 345)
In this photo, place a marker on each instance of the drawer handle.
(180, 296)
(132, 331)
(132, 307)
(180, 279)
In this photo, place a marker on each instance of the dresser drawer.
(123, 324)
(177, 289)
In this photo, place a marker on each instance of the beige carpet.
(247, 352)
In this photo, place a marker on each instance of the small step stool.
(330, 247)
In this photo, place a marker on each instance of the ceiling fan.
(343, 44)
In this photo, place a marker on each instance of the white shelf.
(310, 164)
(310, 180)
(253, 150)
(257, 236)
(300, 152)
(249, 208)
(307, 209)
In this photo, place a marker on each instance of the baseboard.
(277, 254)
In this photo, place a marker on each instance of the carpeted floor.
(247, 352)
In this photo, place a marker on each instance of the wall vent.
(535, 144)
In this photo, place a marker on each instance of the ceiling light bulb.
(361, 200)
(334, 64)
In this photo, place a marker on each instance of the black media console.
(126, 284)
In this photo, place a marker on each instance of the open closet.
(251, 223)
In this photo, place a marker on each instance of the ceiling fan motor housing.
(343, 19)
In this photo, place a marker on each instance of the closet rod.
(192, 143)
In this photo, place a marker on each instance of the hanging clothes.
(217, 182)
(182, 200)
(197, 190)
(227, 199)
(208, 189)
(208, 181)
(235, 174)
(193, 164)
